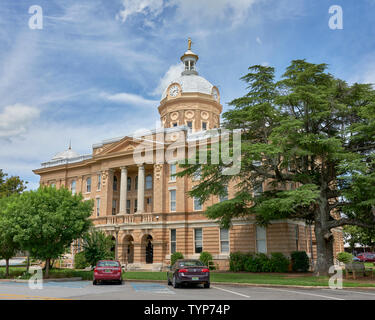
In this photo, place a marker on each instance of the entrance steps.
(144, 267)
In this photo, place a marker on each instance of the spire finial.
(189, 43)
(70, 144)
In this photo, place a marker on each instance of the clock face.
(173, 91)
(215, 94)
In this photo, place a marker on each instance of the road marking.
(367, 293)
(305, 293)
(239, 294)
(23, 296)
(151, 287)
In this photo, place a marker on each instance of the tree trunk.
(47, 267)
(28, 262)
(7, 268)
(324, 248)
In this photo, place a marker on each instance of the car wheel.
(207, 285)
(174, 282)
(94, 282)
(120, 282)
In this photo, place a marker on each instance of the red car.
(107, 270)
(366, 257)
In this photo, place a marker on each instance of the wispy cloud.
(172, 73)
(130, 98)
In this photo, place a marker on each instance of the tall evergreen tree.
(309, 139)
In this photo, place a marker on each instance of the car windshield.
(108, 264)
(192, 263)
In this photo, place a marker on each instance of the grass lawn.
(224, 277)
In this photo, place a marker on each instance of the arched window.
(114, 183)
(88, 185)
(129, 183)
(149, 182)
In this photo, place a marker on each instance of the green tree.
(45, 222)
(357, 235)
(97, 246)
(309, 140)
(11, 185)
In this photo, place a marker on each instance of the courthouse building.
(147, 209)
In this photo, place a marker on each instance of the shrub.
(205, 258)
(175, 256)
(80, 261)
(237, 261)
(345, 257)
(279, 262)
(97, 246)
(252, 264)
(300, 261)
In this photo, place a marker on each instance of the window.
(261, 236)
(172, 196)
(136, 183)
(224, 240)
(204, 125)
(197, 204)
(135, 205)
(190, 124)
(88, 185)
(175, 124)
(198, 240)
(197, 175)
(149, 182)
(172, 171)
(99, 181)
(149, 200)
(173, 241)
(258, 189)
(129, 183)
(53, 185)
(127, 206)
(98, 207)
(114, 207)
(73, 187)
(114, 183)
(224, 197)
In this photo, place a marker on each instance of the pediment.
(127, 144)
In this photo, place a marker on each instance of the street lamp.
(117, 229)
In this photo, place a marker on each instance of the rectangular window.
(190, 124)
(224, 197)
(114, 207)
(88, 185)
(198, 240)
(99, 181)
(297, 237)
(149, 200)
(173, 241)
(135, 205)
(127, 206)
(172, 196)
(204, 125)
(175, 124)
(98, 207)
(197, 204)
(172, 171)
(129, 183)
(197, 175)
(224, 240)
(73, 187)
(261, 236)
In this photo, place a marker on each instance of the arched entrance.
(128, 249)
(113, 247)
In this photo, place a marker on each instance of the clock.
(174, 90)
(215, 94)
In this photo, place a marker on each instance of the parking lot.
(84, 290)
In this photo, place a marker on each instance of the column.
(123, 189)
(141, 189)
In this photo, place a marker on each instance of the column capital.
(141, 166)
(124, 168)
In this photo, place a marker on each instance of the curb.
(44, 280)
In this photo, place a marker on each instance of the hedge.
(258, 262)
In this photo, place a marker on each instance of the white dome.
(191, 83)
(67, 154)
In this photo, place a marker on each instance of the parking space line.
(239, 294)
(305, 293)
(358, 292)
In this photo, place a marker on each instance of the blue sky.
(97, 68)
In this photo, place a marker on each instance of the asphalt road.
(84, 290)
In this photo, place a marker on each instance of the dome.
(67, 154)
(191, 83)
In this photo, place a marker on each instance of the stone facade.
(146, 209)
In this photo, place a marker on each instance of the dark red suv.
(108, 270)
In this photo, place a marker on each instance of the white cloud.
(145, 7)
(130, 98)
(15, 120)
(173, 72)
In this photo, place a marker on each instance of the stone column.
(123, 189)
(141, 189)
